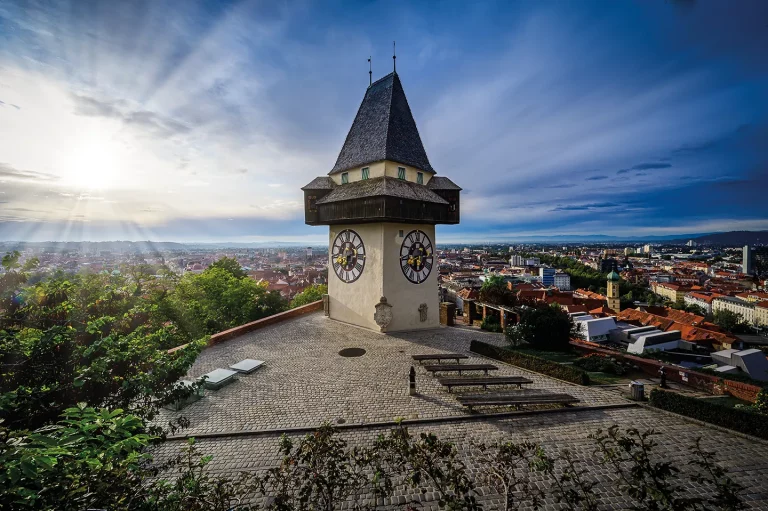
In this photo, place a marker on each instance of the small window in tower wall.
(345, 178)
(420, 178)
(366, 173)
(401, 173)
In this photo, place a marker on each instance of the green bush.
(491, 324)
(536, 364)
(742, 421)
(596, 362)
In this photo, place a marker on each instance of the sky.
(200, 121)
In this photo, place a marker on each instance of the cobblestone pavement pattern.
(305, 382)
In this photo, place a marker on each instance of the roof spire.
(370, 73)
(394, 58)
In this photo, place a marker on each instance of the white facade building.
(563, 281)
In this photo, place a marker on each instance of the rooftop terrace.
(305, 382)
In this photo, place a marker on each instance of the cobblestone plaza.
(305, 382)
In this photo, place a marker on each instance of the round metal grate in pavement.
(352, 352)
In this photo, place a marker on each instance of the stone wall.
(447, 313)
(261, 323)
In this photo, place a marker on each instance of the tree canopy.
(542, 326)
(311, 294)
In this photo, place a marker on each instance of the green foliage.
(87, 339)
(491, 324)
(733, 418)
(595, 362)
(496, 291)
(536, 364)
(217, 300)
(761, 403)
(730, 321)
(311, 294)
(90, 459)
(231, 266)
(542, 326)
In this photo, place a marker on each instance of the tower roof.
(383, 129)
(613, 276)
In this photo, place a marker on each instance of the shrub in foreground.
(532, 363)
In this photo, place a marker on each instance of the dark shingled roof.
(442, 183)
(320, 183)
(383, 129)
(379, 186)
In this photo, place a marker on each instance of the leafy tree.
(496, 291)
(231, 266)
(696, 309)
(87, 339)
(216, 300)
(544, 327)
(730, 321)
(311, 294)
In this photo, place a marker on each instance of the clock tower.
(381, 201)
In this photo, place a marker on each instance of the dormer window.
(345, 178)
(366, 172)
(420, 178)
(401, 173)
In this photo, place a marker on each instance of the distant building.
(563, 281)
(746, 261)
(647, 249)
(614, 300)
(745, 309)
(547, 276)
(516, 260)
(692, 243)
(629, 250)
(752, 362)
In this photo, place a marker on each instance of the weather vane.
(370, 73)
(394, 58)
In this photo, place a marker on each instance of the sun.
(91, 165)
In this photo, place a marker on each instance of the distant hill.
(731, 238)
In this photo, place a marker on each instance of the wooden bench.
(439, 357)
(516, 399)
(484, 381)
(460, 367)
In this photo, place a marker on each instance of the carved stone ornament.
(383, 314)
(326, 305)
(423, 312)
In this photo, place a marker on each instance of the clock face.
(416, 256)
(348, 255)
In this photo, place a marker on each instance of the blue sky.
(200, 121)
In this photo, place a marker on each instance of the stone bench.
(434, 369)
(484, 381)
(515, 399)
(440, 356)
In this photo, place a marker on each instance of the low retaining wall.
(261, 323)
(706, 382)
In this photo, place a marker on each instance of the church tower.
(381, 201)
(614, 301)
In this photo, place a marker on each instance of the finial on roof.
(370, 73)
(394, 58)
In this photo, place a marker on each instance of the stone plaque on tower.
(381, 201)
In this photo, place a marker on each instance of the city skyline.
(622, 119)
